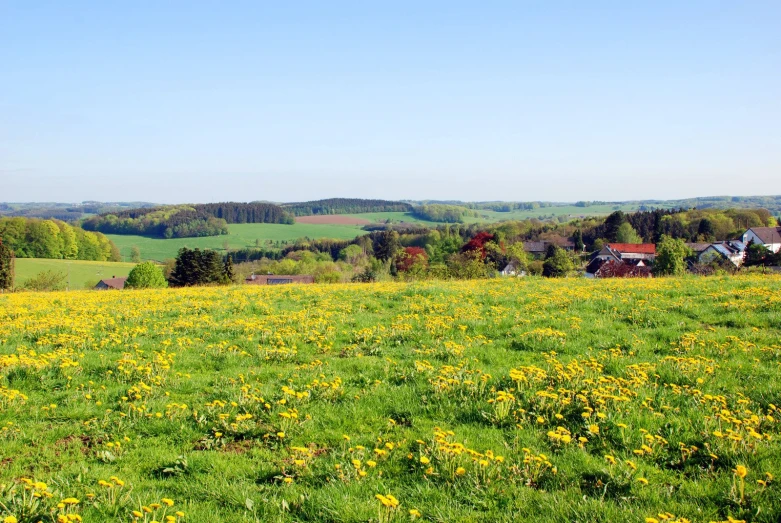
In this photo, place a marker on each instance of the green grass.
(240, 236)
(248, 403)
(81, 272)
(395, 217)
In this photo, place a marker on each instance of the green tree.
(6, 267)
(386, 245)
(612, 223)
(135, 254)
(671, 257)
(227, 270)
(626, 234)
(146, 275)
(519, 256)
(577, 239)
(351, 254)
(557, 263)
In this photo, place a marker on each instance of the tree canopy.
(147, 275)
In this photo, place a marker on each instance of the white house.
(731, 250)
(770, 237)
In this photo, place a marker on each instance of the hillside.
(82, 273)
(239, 236)
(502, 400)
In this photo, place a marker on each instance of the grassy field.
(240, 236)
(500, 400)
(81, 272)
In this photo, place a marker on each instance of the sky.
(195, 101)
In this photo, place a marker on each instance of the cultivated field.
(499, 400)
(241, 235)
(81, 272)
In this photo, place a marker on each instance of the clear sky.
(205, 101)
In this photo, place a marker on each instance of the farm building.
(770, 237)
(112, 283)
(279, 279)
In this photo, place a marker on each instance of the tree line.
(36, 238)
(345, 206)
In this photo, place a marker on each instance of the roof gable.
(768, 235)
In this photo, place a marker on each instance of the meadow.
(240, 235)
(494, 400)
(81, 272)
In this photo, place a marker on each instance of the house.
(611, 268)
(111, 283)
(770, 237)
(279, 279)
(511, 269)
(622, 254)
(539, 248)
(730, 250)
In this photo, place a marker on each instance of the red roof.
(639, 248)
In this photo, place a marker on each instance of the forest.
(437, 212)
(37, 238)
(345, 206)
(186, 221)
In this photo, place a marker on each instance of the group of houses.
(636, 259)
(620, 259)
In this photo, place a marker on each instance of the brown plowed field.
(333, 219)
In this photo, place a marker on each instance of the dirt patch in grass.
(332, 219)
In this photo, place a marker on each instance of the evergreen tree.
(612, 223)
(227, 270)
(197, 267)
(577, 239)
(6, 267)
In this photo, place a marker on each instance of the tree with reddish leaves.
(616, 269)
(411, 258)
(477, 243)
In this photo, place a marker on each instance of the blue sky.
(206, 101)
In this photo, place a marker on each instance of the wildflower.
(415, 513)
(167, 502)
(460, 471)
(424, 460)
(643, 481)
(740, 471)
(10, 519)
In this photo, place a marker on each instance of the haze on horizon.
(198, 101)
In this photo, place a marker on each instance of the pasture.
(498, 400)
(81, 272)
(240, 236)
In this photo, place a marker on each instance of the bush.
(146, 275)
(46, 281)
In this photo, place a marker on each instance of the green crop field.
(241, 235)
(81, 272)
(497, 400)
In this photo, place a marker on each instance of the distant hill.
(67, 212)
(771, 203)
